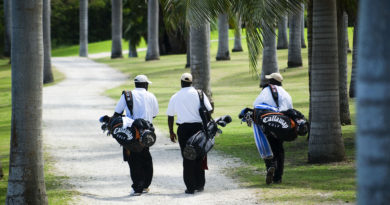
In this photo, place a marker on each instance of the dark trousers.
(141, 169)
(278, 160)
(193, 173)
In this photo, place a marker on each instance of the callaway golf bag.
(200, 143)
(134, 138)
(267, 121)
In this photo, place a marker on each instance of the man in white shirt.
(144, 106)
(283, 102)
(185, 104)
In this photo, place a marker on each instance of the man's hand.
(173, 136)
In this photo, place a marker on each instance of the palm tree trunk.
(1, 171)
(153, 52)
(310, 51)
(237, 35)
(373, 134)
(270, 60)
(294, 46)
(132, 50)
(303, 44)
(116, 28)
(282, 33)
(355, 48)
(325, 142)
(47, 73)
(345, 117)
(188, 48)
(83, 52)
(346, 30)
(26, 183)
(223, 38)
(200, 57)
(7, 28)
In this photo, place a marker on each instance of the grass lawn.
(96, 47)
(56, 187)
(234, 87)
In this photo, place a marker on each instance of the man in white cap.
(273, 94)
(185, 104)
(139, 103)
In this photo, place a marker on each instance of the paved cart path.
(93, 161)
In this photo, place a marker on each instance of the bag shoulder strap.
(201, 99)
(275, 94)
(129, 100)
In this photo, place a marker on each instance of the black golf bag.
(200, 143)
(135, 138)
(285, 125)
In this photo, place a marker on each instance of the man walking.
(185, 104)
(139, 103)
(273, 94)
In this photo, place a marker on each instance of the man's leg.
(271, 164)
(136, 172)
(280, 163)
(184, 132)
(200, 175)
(148, 168)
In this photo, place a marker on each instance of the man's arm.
(172, 134)
(120, 106)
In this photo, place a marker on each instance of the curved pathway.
(93, 161)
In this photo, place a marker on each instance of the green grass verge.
(234, 88)
(57, 189)
(96, 47)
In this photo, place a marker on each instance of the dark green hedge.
(65, 21)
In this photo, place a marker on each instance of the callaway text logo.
(275, 119)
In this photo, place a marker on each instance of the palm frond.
(256, 15)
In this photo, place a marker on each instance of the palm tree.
(153, 51)
(1, 171)
(346, 30)
(294, 46)
(223, 37)
(83, 52)
(188, 49)
(310, 50)
(132, 50)
(26, 183)
(355, 49)
(47, 73)
(282, 33)
(237, 35)
(270, 60)
(7, 28)
(200, 56)
(303, 44)
(373, 135)
(345, 117)
(325, 142)
(135, 24)
(116, 28)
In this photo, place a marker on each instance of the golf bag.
(284, 125)
(135, 138)
(201, 142)
(267, 121)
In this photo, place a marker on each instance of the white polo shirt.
(145, 105)
(185, 104)
(284, 99)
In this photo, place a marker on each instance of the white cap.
(275, 76)
(186, 77)
(141, 79)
